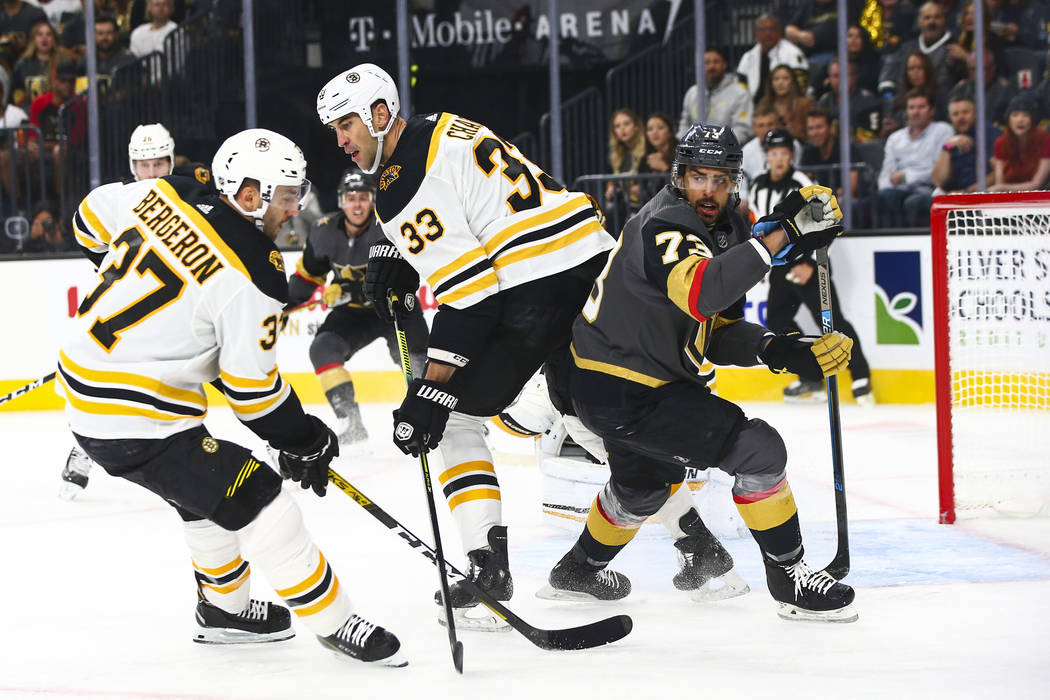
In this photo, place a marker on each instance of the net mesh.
(999, 338)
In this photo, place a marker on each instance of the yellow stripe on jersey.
(128, 379)
(455, 266)
(244, 383)
(549, 246)
(435, 138)
(489, 279)
(94, 223)
(536, 221)
(89, 243)
(205, 228)
(615, 370)
(254, 406)
(115, 409)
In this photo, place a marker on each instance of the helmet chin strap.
(379, 154)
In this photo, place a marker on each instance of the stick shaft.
(35, 384)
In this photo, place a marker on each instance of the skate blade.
(728, 585)
(787, 611)
(223, 635)
(478, 619)
(69, 491)
(549, 593)
(807, 398)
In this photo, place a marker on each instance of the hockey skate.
(804, 594)
(360, 639)
(489, 570)
(75, 474)
(804, 391)
(261, 621)
(576, 580)
(705, 567)
(862, 392)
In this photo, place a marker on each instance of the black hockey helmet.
(354, 180)
(708, 146)
(778, 137)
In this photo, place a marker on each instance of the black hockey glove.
(389, 272)
(811, 219)
(420, 421)
(809, 357)
(308, 466)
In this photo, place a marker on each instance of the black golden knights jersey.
(188, 291)
(330, 250)
(671, 295)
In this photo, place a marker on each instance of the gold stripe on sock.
(604, 531)
(769, 512)
(476, 466)
(321, 604)
(230, 587)
(474, 495)
(308, 583)
(224, 569)
(332, 378)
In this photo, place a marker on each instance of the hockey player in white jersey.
(510, 255)
(191, 291)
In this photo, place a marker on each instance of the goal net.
(991, 284)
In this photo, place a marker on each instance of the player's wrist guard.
(388, 273)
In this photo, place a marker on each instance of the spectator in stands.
(149, 38)
(822, 151)
(138, 10)
(919, 74)
(728, 102)
(16, 19)
(10, 117)
(660, 144)
(783, 94)
(43, 114)
(46, 233)
(59, 11)
(861, 52)
(934, 40)
(73, 35)
(865, 109)
(1022, 153)
(626, 150)
(814, 28)
(889, 23)
(31, 76)
(956, 167)
(109, 54)
(910, 153)
(1017, 23)
(764, 120)
(771, 50)
(998, 91)
(964, 35)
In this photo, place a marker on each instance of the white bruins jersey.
(188, 292)
(473, 215)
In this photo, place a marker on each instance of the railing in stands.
(584, 148)
(24, 180)
(620, 196)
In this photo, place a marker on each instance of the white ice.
(99, 595)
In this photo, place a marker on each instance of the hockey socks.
(772, 517)
(469, 480)
(223, 577)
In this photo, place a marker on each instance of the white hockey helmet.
(150, 141)
(263, 155)
(356, 90)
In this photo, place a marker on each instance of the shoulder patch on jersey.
(203, 175)
(407, 166)
(276, 260)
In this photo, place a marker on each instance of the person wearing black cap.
(795, 284)
(1022, 153)
(338, 245)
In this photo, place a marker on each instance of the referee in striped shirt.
(792, 285)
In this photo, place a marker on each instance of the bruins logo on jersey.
(210, 445)
(276, 260)
(388, 176)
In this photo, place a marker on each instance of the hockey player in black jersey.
(671, 295)
(338, 245)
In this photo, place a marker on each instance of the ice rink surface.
(99, 593)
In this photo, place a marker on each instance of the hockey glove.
(389, 272)
(809, 357)
(337, 293)
(308, 466)
(420, 421)
(811, 219)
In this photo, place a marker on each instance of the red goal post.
(991, 321)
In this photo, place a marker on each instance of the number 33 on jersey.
(473, 215)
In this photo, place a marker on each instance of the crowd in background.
(911, 82)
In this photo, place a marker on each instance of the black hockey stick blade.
(594, 634)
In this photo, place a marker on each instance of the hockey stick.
(406, 368)
(839, 565)
(587, 636)
(35, 384)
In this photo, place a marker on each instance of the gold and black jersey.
(329, 251)
(667, 296)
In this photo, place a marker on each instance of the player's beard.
(272, 221)
(708, 218)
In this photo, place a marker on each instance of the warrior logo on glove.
(403, 431)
